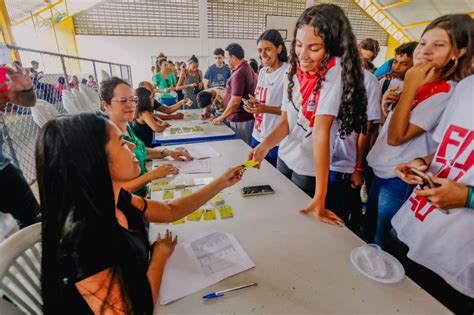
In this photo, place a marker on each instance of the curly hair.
(332, 25)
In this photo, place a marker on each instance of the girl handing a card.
(325, 95)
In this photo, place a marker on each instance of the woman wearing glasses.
(120, 103)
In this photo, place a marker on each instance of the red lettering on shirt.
(261, 97)
(457, 140)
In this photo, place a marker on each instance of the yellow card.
(186, 192)
(180, 221)
(218, 200)
(169, 186)
(189, 182)
(250, 163)
(158, 186)
(226, 212)
(196, 215)
(209, 214)
(168, 194)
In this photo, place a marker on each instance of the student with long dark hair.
(145, 124)
(270, 88)
(191, 81)
(96, 257)
(325, 95)
(442, 57)
(120, 104)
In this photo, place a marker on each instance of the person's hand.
(184, 101)
(390, 97)
(257, 108)
(166, 124)
(178, 116)
(200, 85)
(180, 154)
(403, 171)
(164, 246)
(218, 120)
(252, 99)
(322, 214)
(357, 179)
(419, 75)
(448, 195)
(19, 80)
(232, 176)
(258, 153)
(205, 115)
(164, 170)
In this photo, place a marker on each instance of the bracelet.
(359, 169)
(470, 197)
(145, 206)
(163, 154)
(422, 159)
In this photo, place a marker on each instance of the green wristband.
(470, 198)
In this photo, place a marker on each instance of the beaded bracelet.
(470, 197)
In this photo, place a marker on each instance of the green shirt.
(140, 153)
(162, 83)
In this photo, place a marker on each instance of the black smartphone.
(257, 190)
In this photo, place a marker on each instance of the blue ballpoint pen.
(221, 293)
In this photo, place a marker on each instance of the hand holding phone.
(426, 179)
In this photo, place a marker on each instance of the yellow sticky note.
(189, 182)
(209, 214)
(169, 186)
(180, 221)
(195, 216)
(226, 212)
(250, 163)
(158, 186)
(186, 192)
(168, 194)
(218, 200)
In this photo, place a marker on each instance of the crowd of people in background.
(387, 152)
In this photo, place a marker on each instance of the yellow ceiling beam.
(46, 8)
(425, 23)
(395, 4)
(6, 30)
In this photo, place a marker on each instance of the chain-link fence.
(51, 74)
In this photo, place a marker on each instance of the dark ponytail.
(332, 25)
(275, 38)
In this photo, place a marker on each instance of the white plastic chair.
(82, 101)
(43, 112)
(105, 75)
(93, 96)
(70, 104)
(20, 269)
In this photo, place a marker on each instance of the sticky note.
(209, 214)
(189, 182)
(179, 184)
(250, 163)
(168, 194)
(158, 186)
(195, 216)
(186, 192)
(226, 212)
(180, 221)
(218, 200)
(169, 186)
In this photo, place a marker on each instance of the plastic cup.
(372, 256)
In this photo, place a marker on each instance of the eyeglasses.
(124, 101)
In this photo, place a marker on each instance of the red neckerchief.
(429, 89)
(310, 101)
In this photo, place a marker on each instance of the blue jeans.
(305, 183)
(389, 195)
(344, 200)
(272, 155)
(167, 101)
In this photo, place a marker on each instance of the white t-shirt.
(443, 242)
(344, 157)
(383, 158)
(269, 91)
(296, 150)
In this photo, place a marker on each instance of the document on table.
(201, 262)
(193, 167)
(200, 151)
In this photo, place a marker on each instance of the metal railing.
(53, 75)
